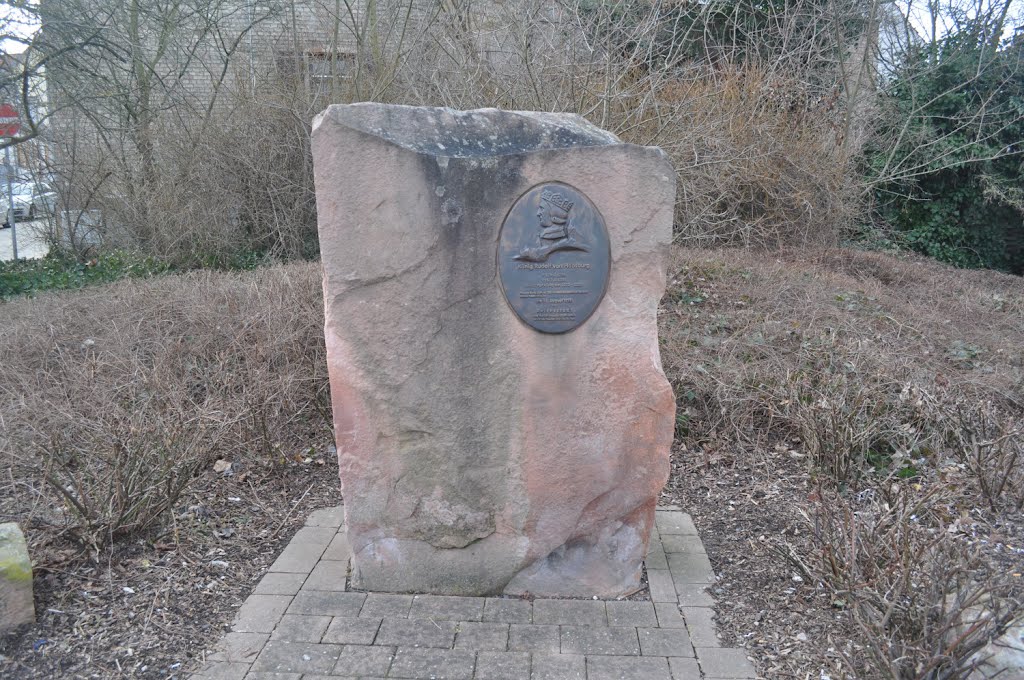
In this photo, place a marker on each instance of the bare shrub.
(249, 188)
(846, 424)
(926, 602)
(119, 469)
(214, 159)
(990, 444)
(898, 382)
(112, 397)
(762, 151)
(760, 160)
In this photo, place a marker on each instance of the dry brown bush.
(761, 139)
(762, 147)
(112, 397)
(926, 601)
(900, 382)
(760, 160)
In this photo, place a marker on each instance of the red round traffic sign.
(10, 121)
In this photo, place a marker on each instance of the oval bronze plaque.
(554, 257)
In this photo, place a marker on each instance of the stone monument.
(491, 284)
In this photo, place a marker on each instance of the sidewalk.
(300, 623)
(31, 241)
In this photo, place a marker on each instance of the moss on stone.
(15, 565)
(15, 570)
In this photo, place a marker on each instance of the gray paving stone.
(558, 667)
(631, 614)
(694, 595)
(239, 647)
(299, 628)
(683, 543)
(673, 523)
(386, 604)
(725, 663)
(627, 668)
(502, 666)
(525, 637)
(492, 637)
(439, 664)
(599, 640)
(669, 615)
(668, 507)
(327, 603)
(621, 639)
(279, 583)
(663, 588)
(281, 656)
(503, 610)
(327, 575)
(260, 613)
(682, 669)
(569, 612)
(338, 549)
(664, 642)
(352, 631)
(691, 568)
(701, 626)
(416, 633)
(305, 548)
(447, 608)
(327, 517)
(357, 660)
(655, 558)
(223, 670)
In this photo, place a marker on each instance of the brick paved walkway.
(301, 624)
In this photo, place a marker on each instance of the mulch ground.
(149, 608)
(745, 507)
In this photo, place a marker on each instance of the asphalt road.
(31, 243)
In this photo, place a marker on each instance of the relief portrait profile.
(557, 231)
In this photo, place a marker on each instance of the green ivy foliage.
(950, 164)
(59, 271)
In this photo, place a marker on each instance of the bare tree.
(154, 67)
(927, 24)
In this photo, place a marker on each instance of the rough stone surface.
(480, 456)
(16, 606)
(725, 663)
(1003, 657)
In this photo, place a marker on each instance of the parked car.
(31, 200)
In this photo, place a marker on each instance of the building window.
(324, 69)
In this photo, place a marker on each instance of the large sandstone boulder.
(491, 282)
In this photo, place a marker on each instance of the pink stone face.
(478, 455)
